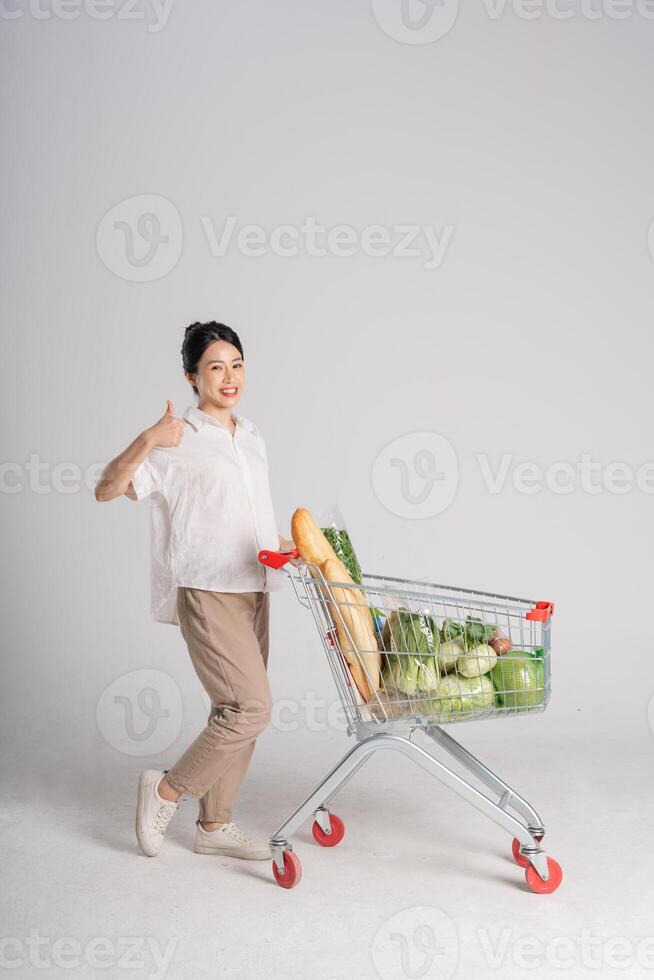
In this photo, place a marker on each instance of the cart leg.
(364, 749)
(508, 796)
(322, 794)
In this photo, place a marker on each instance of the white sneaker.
(153, 813)
(230, 841)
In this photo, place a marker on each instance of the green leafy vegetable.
(339, 539)
(411, 632)
(451, 629)
(410, 642)
(400, 674)
(473, 631)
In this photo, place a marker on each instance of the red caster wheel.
(336, 836)
(520, 858)
(292, 870)
(536, 883)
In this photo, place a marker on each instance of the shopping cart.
(435, 655)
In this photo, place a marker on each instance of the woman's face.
(220, 375)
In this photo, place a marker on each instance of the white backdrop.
(510, 155)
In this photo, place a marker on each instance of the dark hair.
(197, 338)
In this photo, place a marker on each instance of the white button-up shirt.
(211, 512)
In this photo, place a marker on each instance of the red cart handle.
(541, 612)
(277, 559)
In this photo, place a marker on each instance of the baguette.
(357, 640)
(309, 539)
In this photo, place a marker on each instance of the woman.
(211, 512)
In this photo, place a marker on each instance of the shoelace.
(163, 816)
(238, 834)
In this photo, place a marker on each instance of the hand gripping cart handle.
(407, 656)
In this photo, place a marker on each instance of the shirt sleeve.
(149, 475)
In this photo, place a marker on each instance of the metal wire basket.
(444, 654)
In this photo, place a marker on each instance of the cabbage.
(455, 695)
(518, 678)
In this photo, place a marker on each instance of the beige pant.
(227, 635)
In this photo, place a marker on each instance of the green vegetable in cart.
(428, 674)
(400, 674)
(339, 539)
(518, 678)
(473, 631)
(477, 661)
(459, 695)
(451, 629)
(406, 673)
(411, 632)
(449, 652)
(415, 634)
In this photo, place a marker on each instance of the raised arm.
(116, 478)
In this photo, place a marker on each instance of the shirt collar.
(198, 419)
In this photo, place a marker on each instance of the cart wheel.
(336, 836)
(536, 883)
(517, 856)
(292, 873)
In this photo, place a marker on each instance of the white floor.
(421, 886)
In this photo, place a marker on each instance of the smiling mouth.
(229, 392)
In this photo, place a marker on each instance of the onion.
(501, 645)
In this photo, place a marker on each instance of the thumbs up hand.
(167, 433)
